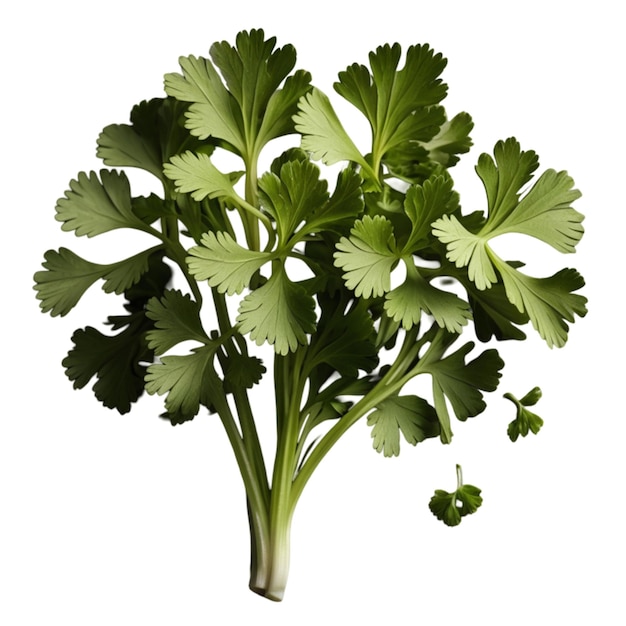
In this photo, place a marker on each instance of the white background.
(124, 520)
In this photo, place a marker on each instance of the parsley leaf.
(368, 256)
(293, 196)
(254, 71)
(548, 302)
(543, 212)
(176, 319)
(410, 415)
(117, 361)
(154, 135)
(451, 140)
(188, 381)
(252, 110)
(280, 312)
(93, 205)
(210, 114)
(397, 103)
(462, 383)
(525, 421)
(195, 174)
(324, 136)
(406, 303)
(345, 337)
(67, 276)
(242, 370)
(424, 204)
(224, 263)
(451, 507)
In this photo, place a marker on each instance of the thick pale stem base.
(269, 570)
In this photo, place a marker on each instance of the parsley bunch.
(359, 285)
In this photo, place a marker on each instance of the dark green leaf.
(525, 421)
(410, 415)
(93, 205)
(176, 319)
(188, 381)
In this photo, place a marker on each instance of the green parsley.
(525, 421)
(358, 285)
(451, 507)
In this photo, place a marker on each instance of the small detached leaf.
(451, 507)
(525, 421)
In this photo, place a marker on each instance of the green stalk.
(256, 500)
(391, 383)
(289, 383)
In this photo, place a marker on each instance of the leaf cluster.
(359, 285)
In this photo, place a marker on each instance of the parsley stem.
(290, 382)
(393, 380)
(257, 508)
(459, 477)
(240, 395)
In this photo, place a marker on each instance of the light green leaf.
(410, 415)
(283, 106)
(293, 196)
(451, 140)
(368, 256)
(92, 206)
(176, 319)
(254, 70)
(396, 101)
(64, 281)
(67, 277)
(548, 302)
(424, 204)
(406, 303)
(322, 132)
(504, 178)
(466, 249)
(543, 212)
(211, 113)
(224, 263)
(196, 174)
(188, 381)
(280, 313)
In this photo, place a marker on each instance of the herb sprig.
(287, 259)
